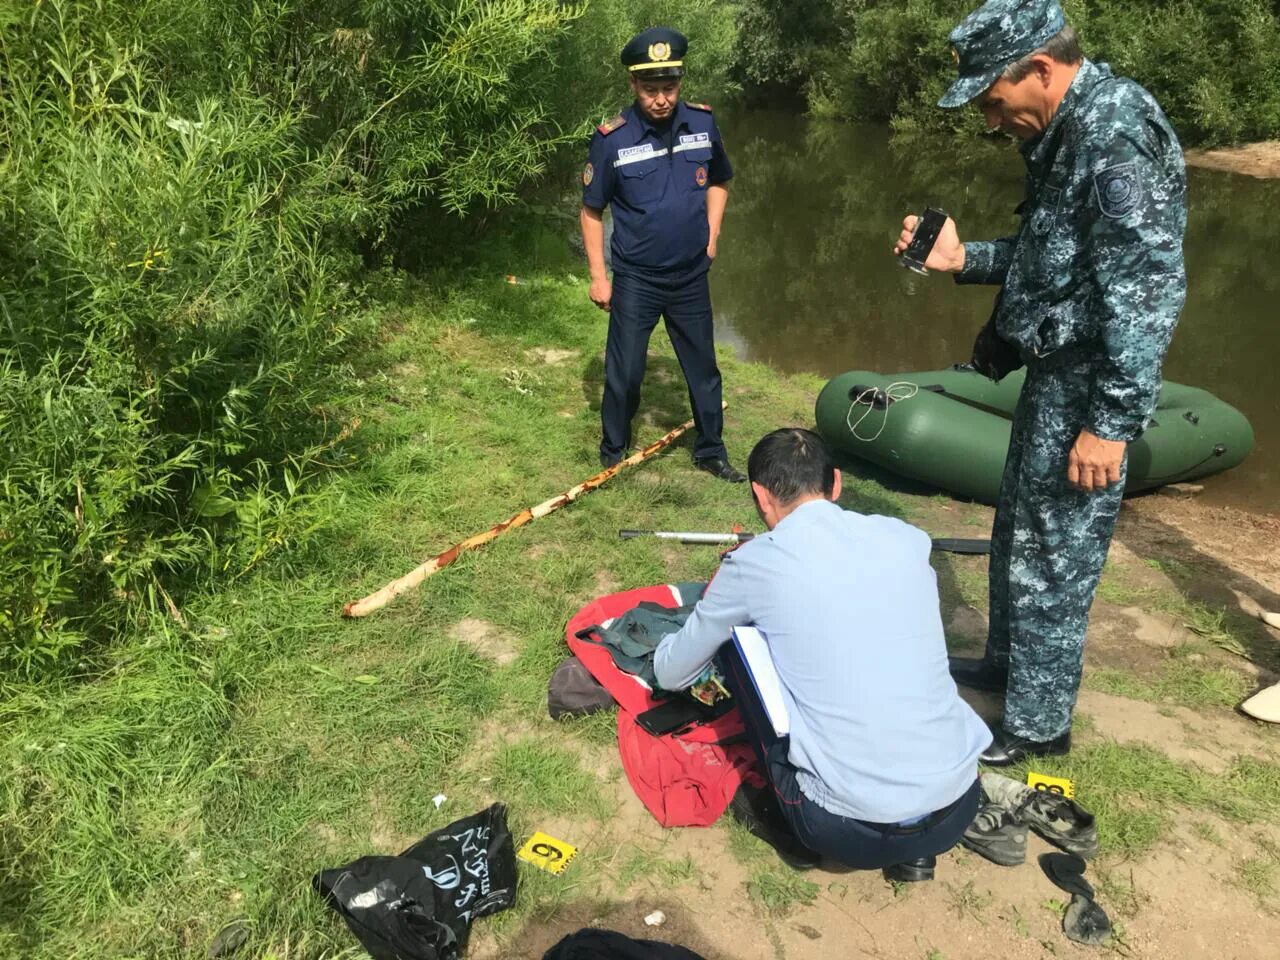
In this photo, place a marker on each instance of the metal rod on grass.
(944, 544)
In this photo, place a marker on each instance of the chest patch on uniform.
(700, 176)
(695, 139)
(588, 174)
(1119, 190)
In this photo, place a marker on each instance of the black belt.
(920, 826)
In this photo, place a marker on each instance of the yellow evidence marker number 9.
(547, 853)
(1047, 784)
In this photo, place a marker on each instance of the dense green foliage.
(189, 194)
(1214, 65)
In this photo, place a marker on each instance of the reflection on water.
(805, 280)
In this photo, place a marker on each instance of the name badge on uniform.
(693, 141)
(643, 151)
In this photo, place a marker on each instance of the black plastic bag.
(419, 905)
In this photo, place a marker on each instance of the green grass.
(1137, 792)
(201, 772)
(964, 900)
(1180, 682)
(655, 870)
(779, 890)
(1259, 876)
(1217, 625)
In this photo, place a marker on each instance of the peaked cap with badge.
(994, 37)
(657, 52)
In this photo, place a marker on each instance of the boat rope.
(898, 390)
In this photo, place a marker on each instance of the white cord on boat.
(898, 390)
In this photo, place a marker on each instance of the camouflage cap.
(997, 34)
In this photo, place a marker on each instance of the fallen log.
(378, 600)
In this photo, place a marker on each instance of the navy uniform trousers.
(637, 305)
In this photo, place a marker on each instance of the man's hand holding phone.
(947, 254)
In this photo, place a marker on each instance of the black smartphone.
(922, 240)
(675, 714)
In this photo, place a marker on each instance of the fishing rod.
(944, 544)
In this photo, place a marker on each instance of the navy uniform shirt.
(657, 185)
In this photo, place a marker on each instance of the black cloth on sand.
(592, 944)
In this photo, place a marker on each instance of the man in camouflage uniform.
(1091, 288)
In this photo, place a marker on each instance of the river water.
(805, 280)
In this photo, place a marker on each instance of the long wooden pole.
(376, 601)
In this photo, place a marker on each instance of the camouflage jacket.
(1096, 270)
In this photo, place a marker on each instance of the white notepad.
(764, 676)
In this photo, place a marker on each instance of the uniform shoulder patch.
(706, 107)
(609, 126)
(1119, 190)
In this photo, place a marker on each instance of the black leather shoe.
(757, 809)
(1007, 749)
(913, 871)
(721, 469)
(608, 460)
(978, 673)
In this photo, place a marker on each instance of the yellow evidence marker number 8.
(547, 853)
(1047, 784)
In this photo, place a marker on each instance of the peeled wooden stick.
(1270, 619)
(376, 601)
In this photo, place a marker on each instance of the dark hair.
(792, 462)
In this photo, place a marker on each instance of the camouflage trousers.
(1048, 546)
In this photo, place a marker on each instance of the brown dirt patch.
(1209, 739)
(550, 356)
(487, 640)
(1181, 901)
(1260, 160)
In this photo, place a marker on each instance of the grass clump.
(656, 870)
(778, 891)
(1179, 682)
(539, 775)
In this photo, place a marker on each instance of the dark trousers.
(637, 305)
(1048, 546)
(855, 843)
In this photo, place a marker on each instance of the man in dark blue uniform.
(661, 165)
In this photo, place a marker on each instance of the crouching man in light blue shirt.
(880, 767)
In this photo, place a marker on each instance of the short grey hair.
(1063, 46)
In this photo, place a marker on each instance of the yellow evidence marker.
(547, 853)
(1058, 785)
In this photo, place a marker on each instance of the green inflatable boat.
(950, 429)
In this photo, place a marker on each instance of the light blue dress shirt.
(848, 604)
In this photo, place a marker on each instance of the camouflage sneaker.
(1061, 821)
(997, 835)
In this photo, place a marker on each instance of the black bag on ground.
(419, 905)
(592, 944)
